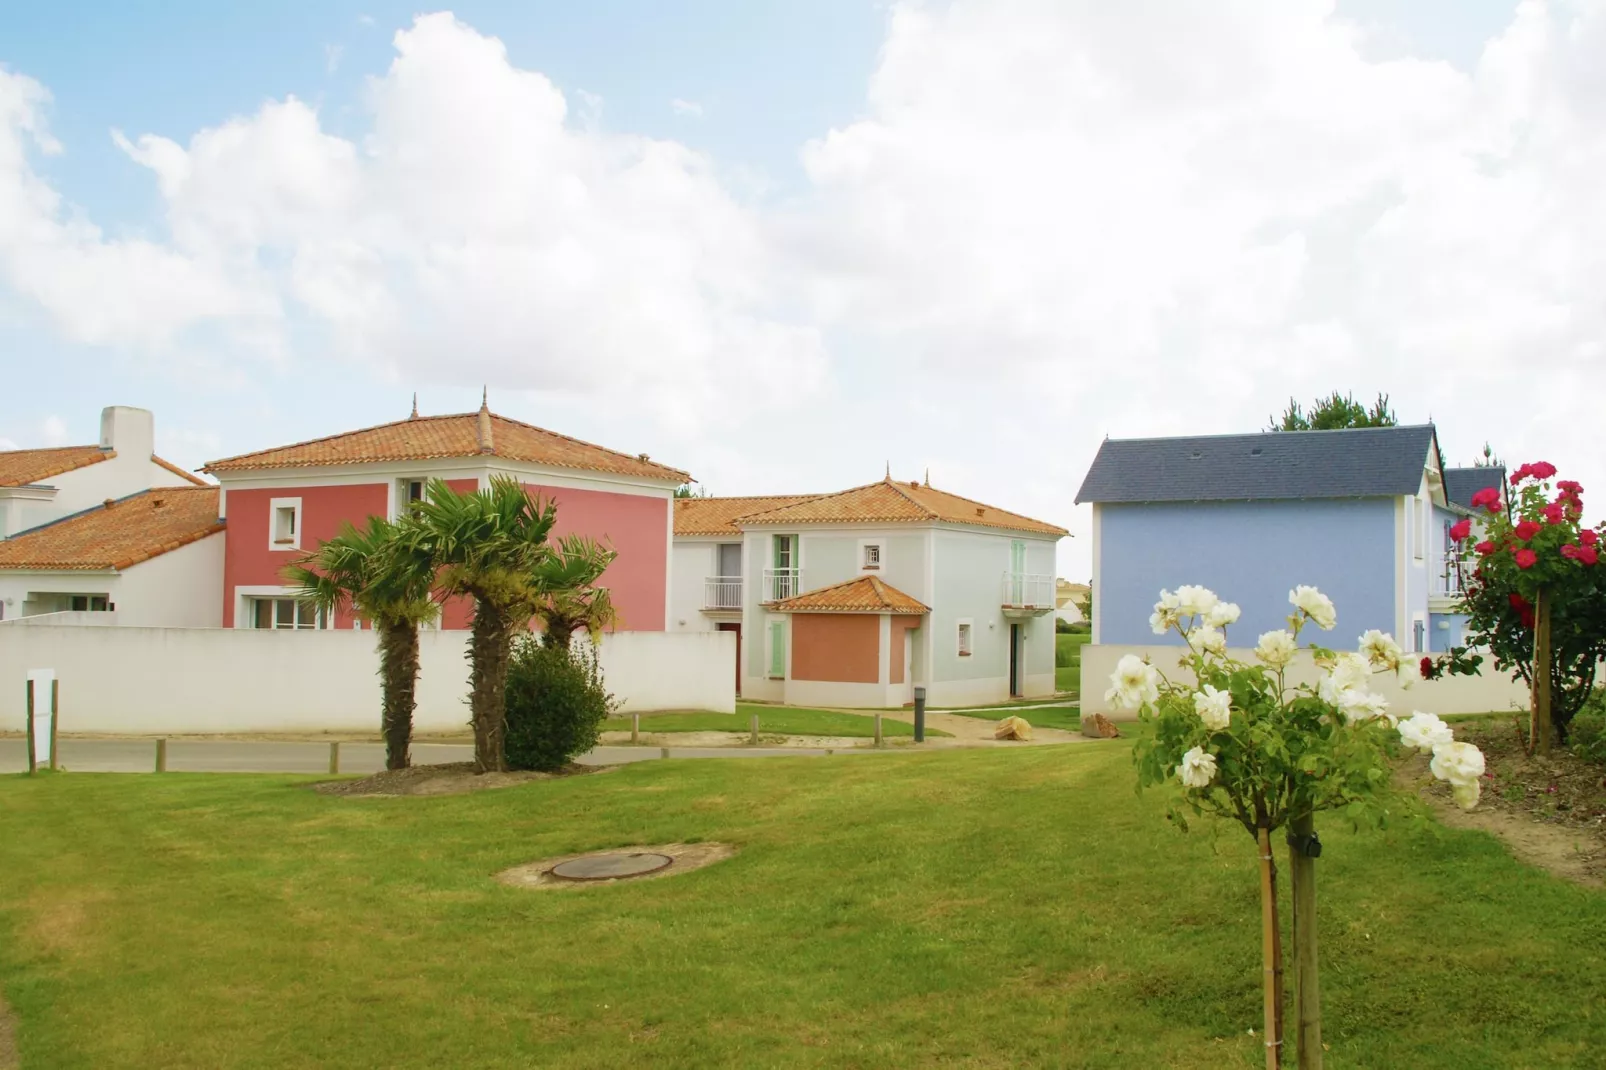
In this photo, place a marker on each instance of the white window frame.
(275, 507)
(965, 637)
(880, 548)
(322, 621)
(1421, 645)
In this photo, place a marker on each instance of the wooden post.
(334, 756)
(635, 728)
(1307, 990)
(55, 686)
(1271, 947)
(663, 752)
(878, 738)
(32, 764)
(161, 755)
(1539, 731)
(752, 734)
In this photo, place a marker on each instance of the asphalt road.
(252, 756)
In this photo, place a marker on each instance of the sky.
(789, 247)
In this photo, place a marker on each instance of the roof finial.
(889, 469)
(484, 427)
(928, 475)
(415, 406)
(485, 398)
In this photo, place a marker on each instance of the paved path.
(257, 756)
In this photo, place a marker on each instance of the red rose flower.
(1527, 530)
(1588, 537)
(1518, 602)
(1542, 469)
(1485, 548)
(1569, 551)
(1527, 616)
(1554, 514)
(1588, 555)
(1526, 558)
(1461, 529)
(1487, 498)
(1570, 488)
(1426, 668)
(1521, 474)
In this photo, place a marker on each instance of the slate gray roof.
(1353, 463)
(1460, 484)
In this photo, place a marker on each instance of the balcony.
(781, 583)
(722, 594)
(1446, 578)
(1027, 595)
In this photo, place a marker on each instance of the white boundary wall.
(220, 680)
(1492, 692)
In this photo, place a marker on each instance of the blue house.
(1364, 514)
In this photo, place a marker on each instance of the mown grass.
(1068, 660)
(1067, 717)
(966, 908)
(772, 720)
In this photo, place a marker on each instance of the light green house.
(852, 599)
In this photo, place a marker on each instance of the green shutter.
(777, 650)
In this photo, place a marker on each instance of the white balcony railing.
(1445, 577)
(781, 583)
(722, 592)
(1023, 590)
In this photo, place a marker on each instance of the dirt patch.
(10, 1057)
(687, 857)
(1550, 812)
(450, 778)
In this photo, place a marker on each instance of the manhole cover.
(610, 867)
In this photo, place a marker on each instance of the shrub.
(556, 704)
(1062, 626)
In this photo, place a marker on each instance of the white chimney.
(129, 431)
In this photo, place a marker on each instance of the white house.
(853, 599)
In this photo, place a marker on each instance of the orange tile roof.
(867, 594)
(18, 468)
(177, 471)
(888, 502)
(118, 535)
(714, 516)
(422, 438)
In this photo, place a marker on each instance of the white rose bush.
(1245, 743)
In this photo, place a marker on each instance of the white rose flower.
(1198, 768)
(1459, 763)
(1315, 605)
(1466, 795)
(1208, 640)
(1164, 617)
(1380, 649)
(1424, 731)
(1195, 600)
(1134, 683)
(1222, 614)
(1276, 648)
(1359, 704)
(1349, 673)
(1213, 707)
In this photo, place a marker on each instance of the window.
(284, 517)
(409, 492)
(777, 650)
(286, 613)
(1418, 636)
(872, 555)
(94, 603)
(964, 638)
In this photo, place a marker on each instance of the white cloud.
(1054, 221)
(686, 107)
(331, 57)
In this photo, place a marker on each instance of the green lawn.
(963, 908)
(1066, 717)
(772, 720)
(1068, 660)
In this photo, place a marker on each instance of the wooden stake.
(752, 736)
(1540, 730)
(161, 755)
(55, 686)
(878, 738)
(334, 756)
(1272, 953)
(635, 728)
(33, 765)
(1307, 990)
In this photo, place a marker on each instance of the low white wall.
(1492, 692)
(218, 680)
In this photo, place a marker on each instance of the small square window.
(964, 640)
(872, 555)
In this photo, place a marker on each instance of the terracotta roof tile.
(177, 471)
(429, 437)
(118, 535)
(18, 468)
(714, 516)
(888, 502)
(867, 594)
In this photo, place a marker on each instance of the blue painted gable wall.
(1251, 553)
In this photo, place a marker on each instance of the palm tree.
(488, 545)
(359, 568)
(570, 600)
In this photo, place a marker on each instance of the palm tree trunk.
(490, 647)
(559, 632)
(398, 673)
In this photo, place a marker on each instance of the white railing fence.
(781, 583)
(1025, 590)
(1445, 577)
(722, 592)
